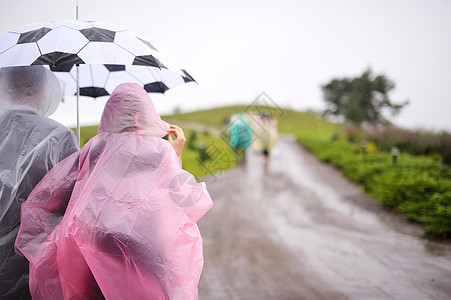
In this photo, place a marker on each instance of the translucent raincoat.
(240, 133)
(30, 145)
(265, 129)
(118, 218)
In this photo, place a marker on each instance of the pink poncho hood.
(116, 219)
(130, 109)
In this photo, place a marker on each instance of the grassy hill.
(290, 121)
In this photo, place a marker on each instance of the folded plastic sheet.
(116, 220)
(30, 145)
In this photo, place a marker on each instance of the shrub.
(416, 142)
(192, 140)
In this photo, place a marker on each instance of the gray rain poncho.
(30, 145)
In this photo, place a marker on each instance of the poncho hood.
(130, 109)
(34, 87)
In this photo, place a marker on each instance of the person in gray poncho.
(30, 145)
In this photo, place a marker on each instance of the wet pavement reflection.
(299, 230)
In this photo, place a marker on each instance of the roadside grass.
(207, 154)
(86, 133)
(418, 188)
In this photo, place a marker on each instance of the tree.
(361, 99)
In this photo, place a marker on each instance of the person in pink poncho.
(117, 219)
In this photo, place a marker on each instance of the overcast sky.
(236, 49)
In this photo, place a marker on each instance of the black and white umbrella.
(91, 58)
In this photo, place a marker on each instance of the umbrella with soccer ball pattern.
(91, 58)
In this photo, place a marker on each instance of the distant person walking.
(30, 145)
(240, 136)
(267, 134)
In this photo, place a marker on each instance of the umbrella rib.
(17, 32)
(82, 47)
(135, 55)
(39, 48)
(126, 49)
(135, 77)
(92, 75)
(107, 78)
(73, 77)
(8, 49)
(155, 77)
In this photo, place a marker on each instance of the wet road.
(301, 231)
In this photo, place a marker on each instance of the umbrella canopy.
(91, 58)
(77, 42)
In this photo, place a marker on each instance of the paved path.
(301, 231)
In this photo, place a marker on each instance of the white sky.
(236, 49)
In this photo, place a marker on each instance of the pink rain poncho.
(117, 219)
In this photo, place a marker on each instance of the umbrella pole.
(78, 90)
(78, 114)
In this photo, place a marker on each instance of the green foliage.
(421, 193)
(204, 156)
(436, 145)
(360, 99)
(354, 133)
(86, 133)
(210, 156)
(192, 140)
(371, 148)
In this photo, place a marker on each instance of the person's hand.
(179, 142)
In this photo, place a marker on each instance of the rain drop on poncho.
(118, 218)
(30, 145)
